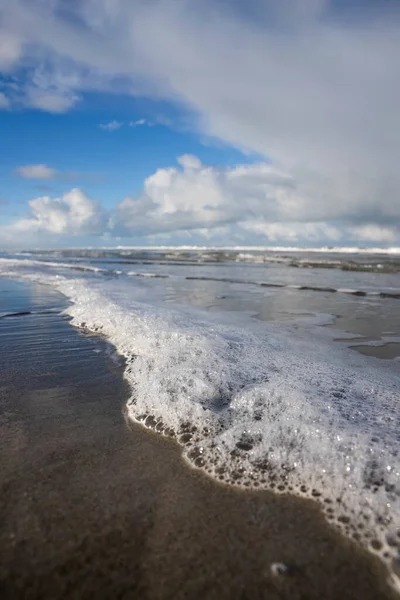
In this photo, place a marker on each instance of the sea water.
(234, 354)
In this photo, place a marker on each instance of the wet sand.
(91, 507)
(386, 351)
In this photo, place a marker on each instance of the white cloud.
(114, 125)
(137, 123)
(43, 172)
(52, 103)
(189, 162)
(111, 126)
(4, 101)
(294, 232)
(51, 84)
(10, 49)
(71, 214)
(254, 199)
(36, 172)
(374, 233)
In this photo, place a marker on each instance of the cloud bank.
(312, 85)
(209, 204)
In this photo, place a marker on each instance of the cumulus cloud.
(36, 172)
(247, 199)
(74, 213)
(189, 162)
(111, 126)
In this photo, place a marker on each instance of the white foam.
(261, 405)
(151, 275)
(347, 291)
(9, 263)
(258, 404)
(393, 250)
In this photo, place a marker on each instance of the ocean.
(275, 370)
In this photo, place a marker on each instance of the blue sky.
(109, 164)
(225, 123)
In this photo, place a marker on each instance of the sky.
(178, 122)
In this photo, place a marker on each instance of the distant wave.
(374, 260)
(310, 288)
(320, 249)
(331, 249)
(21, 264)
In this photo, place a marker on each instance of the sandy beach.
(94, 507)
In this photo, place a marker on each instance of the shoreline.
(92, 508)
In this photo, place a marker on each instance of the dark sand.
(93, 508)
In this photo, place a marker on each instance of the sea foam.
(261, 405)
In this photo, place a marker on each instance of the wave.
(377, 260)
(20, 264)
(354, 292)
(9, 315)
